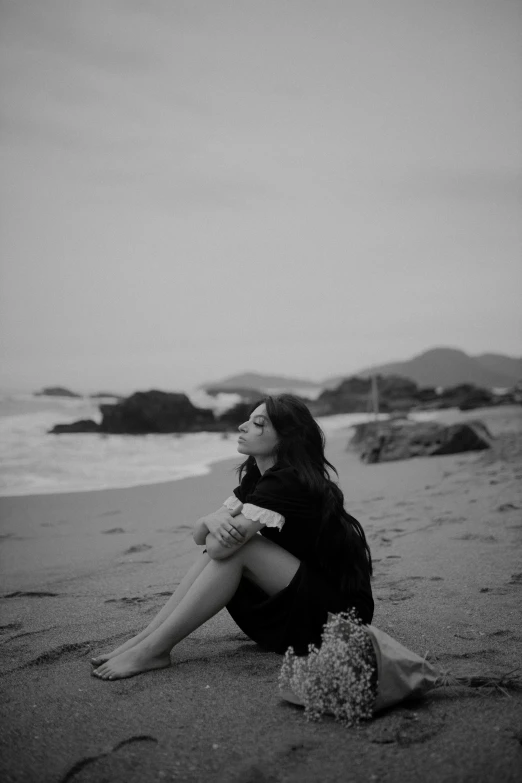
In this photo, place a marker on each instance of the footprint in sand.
(132, 550)
(396, 596)
(52, 524)
(447, 519)
(475, 537)
(494, 590)
(136, 599)
(30, 594)
(69, 651)
(99, 762)
(9, 627)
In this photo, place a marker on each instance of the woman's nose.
(242, 426)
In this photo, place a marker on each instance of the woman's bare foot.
(99, 659)
(131, 662)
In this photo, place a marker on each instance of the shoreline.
(83, 571)
(335, 426)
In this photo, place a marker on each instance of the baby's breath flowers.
(340, 677)
(360, 670)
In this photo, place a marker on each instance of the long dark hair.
(341, 546)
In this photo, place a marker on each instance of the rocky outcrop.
(155, 412)
(403, 439)
(56, 391)
(146, 413)
(353, 395)
(397, 394)
(475, 398)
(83, 425)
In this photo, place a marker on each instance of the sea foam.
(34, 462)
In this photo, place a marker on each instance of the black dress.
(296, 615)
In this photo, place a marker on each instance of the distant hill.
(504, 365)
(254, 380)
(436, 367)
(449, 367)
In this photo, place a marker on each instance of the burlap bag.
(401, 673)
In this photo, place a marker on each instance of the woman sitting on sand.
(310, 558)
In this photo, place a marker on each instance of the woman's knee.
(256, 549)
(257, 543)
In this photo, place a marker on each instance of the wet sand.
(81, 572)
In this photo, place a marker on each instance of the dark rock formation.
(56, 391)
(146, 413)
(455, 396)
(155, 412)
(83, 425)
(401, 439)
(397, 394)
(468, 436)
(476, 398)
(353, 395)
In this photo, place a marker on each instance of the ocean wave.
(35, 462)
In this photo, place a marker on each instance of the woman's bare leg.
(162, 615)
(265, 563)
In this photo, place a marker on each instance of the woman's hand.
(224, 527)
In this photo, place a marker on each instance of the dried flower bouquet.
(359, 670)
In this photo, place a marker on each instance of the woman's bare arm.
(216, 519)
(247, 527)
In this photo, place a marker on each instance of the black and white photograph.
(261, 391)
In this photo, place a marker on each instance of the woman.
(310, 558)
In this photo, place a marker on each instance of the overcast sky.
(196, 188)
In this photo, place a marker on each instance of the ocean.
(34, 462)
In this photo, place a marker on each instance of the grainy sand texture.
(81, 572)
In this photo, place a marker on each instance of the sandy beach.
(83, 571)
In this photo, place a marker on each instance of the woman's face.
(257, 437)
